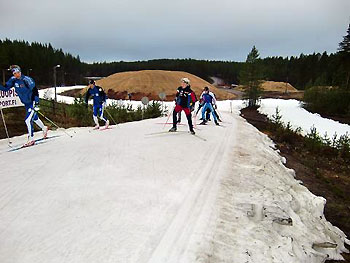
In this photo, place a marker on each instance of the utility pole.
(3, 77)
(54, 80)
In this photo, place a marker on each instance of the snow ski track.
(174, 242)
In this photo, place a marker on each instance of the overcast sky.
(129, 30)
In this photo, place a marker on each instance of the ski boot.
(30, 142)
(96, 127)
(107, 124)
(192, 132)
(45, 130)
(173, 129)
(204, 122)
(216, 122)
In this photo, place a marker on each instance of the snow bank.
(49, 93)
(291, 111)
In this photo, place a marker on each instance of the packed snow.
(136, 194)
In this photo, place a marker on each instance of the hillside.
(151, 82)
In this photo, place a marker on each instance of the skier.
(201, 104)
(185, 100)
(99, 99)
(209, 100)
(29, 96)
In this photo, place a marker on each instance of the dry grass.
(151, 82)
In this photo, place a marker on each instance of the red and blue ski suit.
(185, 100)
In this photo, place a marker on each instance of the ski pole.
(218, 113)
(169, 116)
(195, 121)
(7, 133)
(54, 124)
(199, 107)
(110, 115)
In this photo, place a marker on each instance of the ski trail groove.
(174, 242)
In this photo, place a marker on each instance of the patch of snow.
(291, 111)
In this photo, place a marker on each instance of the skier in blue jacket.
(99, 102)
(209, 100)
(29, 96)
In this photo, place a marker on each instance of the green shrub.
(325, 100)
(313, 141)
(79, 112)
(121, 113)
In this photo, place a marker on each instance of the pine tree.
(250, 76)
(344, 46)
(344, 52)
(253, 55)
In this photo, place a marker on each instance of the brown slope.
(274, 86)
(151, 82)
(278, 86)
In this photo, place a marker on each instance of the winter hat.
(185, 80)
(15, 68)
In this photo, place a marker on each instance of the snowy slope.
(128, 195)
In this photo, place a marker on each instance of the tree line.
(304, 71)
(37, 60)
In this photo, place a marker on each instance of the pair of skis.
(37, 142)
(177, 132)
(101, 129)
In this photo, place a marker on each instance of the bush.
(121, 113)
(282, 132)
(312, 141)
(79, 112)
(327, 100)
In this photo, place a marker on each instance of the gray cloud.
(136, 30)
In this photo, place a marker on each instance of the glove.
(36, 107)
(215, 106)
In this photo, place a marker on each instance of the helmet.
(91, 81)
(185, 80)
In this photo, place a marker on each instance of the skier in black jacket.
(185, 100)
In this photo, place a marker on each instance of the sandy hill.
(275, 87)
(151, 82)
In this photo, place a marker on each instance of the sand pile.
(151, 82)
(274, 86)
